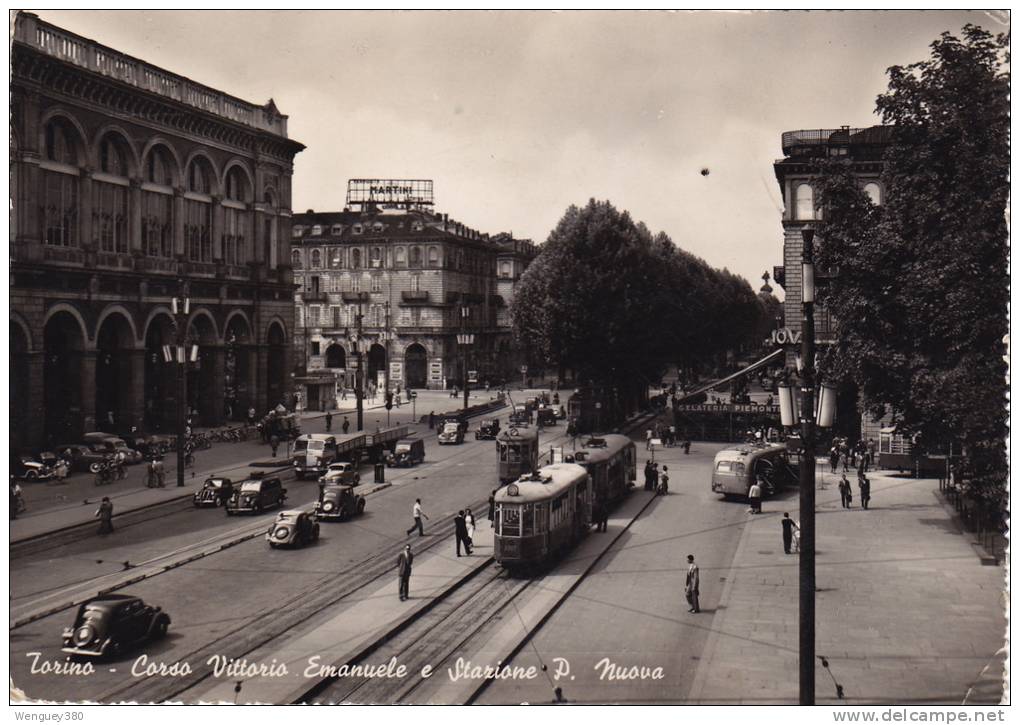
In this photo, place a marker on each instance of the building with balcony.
(132, 185)
(417, 279)
(796, 173)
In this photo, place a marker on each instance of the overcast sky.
(517, 115)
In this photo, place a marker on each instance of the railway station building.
(416, 278)
(130, 186)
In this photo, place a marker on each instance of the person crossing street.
(417, 513)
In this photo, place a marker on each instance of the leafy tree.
(616, 304)
(922, 287)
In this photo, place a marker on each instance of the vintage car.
(111, 624)
(111, 444)
(26, 468)
(293, 528)
(255, 495)
(341, 472)
(407, 452)
(451, 433)
(216, 491)
(79, 456)
(150, 445)
(339, 503)
(545, 417)
(487, 430)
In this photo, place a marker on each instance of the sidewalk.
(905, 611)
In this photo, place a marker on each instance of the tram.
(542, 514)
(736, 468)
(516, 452)
(611, 461)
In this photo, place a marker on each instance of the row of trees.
(923, 285)
(616, 305)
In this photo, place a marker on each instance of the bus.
(737, 467)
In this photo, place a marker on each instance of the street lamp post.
(180, 354)
(807, 475)
(465, 340)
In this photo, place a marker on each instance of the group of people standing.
(668, 435)
(860, 456)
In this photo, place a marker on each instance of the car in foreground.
(339, 503)
(216, 491)
(341, 472)
(255, 495)
(293, 528)
(112, 624)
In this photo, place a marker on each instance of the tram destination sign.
(390, 192)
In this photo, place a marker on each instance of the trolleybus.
(736, 468)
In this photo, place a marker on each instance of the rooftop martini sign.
(403, 192)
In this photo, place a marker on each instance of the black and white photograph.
(503, 357)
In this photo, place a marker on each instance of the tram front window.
(513, 454)
(510, 521)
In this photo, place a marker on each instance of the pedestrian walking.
(648, 475)
(329, 421)
(692, 588)
(274, 443)
(788, 527)
(663, 486)
(417, 513)
(105, 515)
(469, 521)
(404, 562)
(346, 426)
(648, 439)
(687, 447)
(865, 486)
(432, 419)
(833, 459)
(492, 508)
(460, 530)
(844, 492)
(754, 497)
(343, 393)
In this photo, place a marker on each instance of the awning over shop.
(771, 357)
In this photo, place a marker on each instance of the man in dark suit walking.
(693, 585)
(460, 528)
(788, 526)
(404, 562)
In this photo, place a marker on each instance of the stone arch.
(377, 362)
(336, 356)
(236, 163)
(17, 321)
(277, 374)
(134, 160)
(282, 332)
(175, 157)
(160, 388)
(416, 371)
(239, 365)
(202, 384)
(66, 411)
(119, 309)
(204, 157)
(62, 114)
(20, 345)
(73, 312)
(231, 324)
(115, 343)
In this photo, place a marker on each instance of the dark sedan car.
(487, 430)
(112, 624)
(79, 456)
(339, 503)
(216, 491)
(255, 495)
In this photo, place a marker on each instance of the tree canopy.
(922, 284)
(616, 304)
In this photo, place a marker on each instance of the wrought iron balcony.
(414, 296)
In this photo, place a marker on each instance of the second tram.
(611, 461)
(542, 514)
(516, 453)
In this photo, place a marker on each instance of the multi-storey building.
(132, 185)
(863, 148)
(417, 279)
